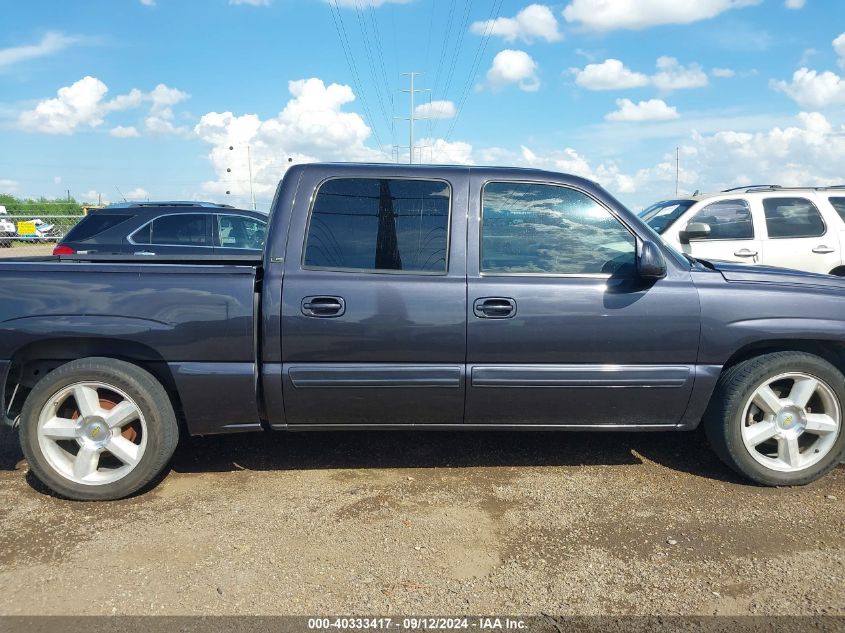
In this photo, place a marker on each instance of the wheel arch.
(839, 271)
(831, 351)
(33, 361)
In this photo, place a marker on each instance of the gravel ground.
(27, 251)
(437, 523)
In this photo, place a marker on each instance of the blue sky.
(147, 96)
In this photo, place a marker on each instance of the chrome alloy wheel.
(791, 421)
(92, 433)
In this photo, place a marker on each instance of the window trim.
(378, 271)
(725, 239)
(612, 212)
(215, 230)
(793, 237)
(167, 215)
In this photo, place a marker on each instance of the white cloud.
(570, 161)
(811, 89)
(534, 22)
(510, 66)
(312, 126)
(839, 47)
(148, 3)
(50, 44)
(78, 104)
(795, 4)
(436, 110)
(93, 197)
(439, 151)
(121, 131)
(7, 185)
(809, 153)
(611, 74)
(254, 3)
(673, 76)
(160, 119)
(723, 72)
(651, 110)
(84, 104)
(138, 193)
(607, 15)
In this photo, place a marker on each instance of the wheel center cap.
(791, 419)
(94, 432)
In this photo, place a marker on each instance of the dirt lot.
(437, 523)
(27, 251)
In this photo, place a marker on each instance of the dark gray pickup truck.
(397, 297)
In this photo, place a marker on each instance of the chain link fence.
(34, 229)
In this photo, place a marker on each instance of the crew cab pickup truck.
(405, 297)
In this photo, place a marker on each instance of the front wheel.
(777, 418)
(98, 429)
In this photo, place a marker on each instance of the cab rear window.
(92, 225)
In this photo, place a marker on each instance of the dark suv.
(167, 228)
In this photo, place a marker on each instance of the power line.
(495, 10)
(365, 38)
(340, 28)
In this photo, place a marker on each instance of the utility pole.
(411, 117)
(249, 169)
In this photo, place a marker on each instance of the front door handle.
(823, 250)
(744, 252)
(494, 308)
(324, 307)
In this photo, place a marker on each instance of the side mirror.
(694, 230)
(650, 262)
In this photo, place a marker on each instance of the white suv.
(800, 228)
(7, 229)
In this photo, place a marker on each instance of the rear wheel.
(777, 418)
(98, 429)
(5, 240)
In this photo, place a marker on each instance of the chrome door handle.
(744, 252)
(494, 308)
(325, 307)
(823, 250)
(143, 253)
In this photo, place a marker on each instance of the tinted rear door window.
(792, 217)
(379, 225)
(184, 229)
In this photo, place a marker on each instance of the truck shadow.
(683, 452)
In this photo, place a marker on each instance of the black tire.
(151, 399)
(5, 241)
(723, 419)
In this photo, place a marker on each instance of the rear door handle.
(143, 253)
(823, 250)
(494, 308)
(744, 252)
(324, 307)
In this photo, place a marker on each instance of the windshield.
(661, 215)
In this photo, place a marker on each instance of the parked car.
(408, 297)
(7, 228)
(800, 228)
(166, 228)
